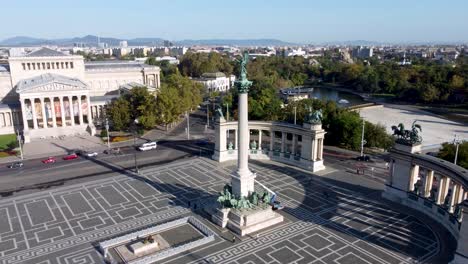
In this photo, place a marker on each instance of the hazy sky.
(302, 21)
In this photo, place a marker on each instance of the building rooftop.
(30, 84)
(213, 75)
(46, 52)
(103, 65)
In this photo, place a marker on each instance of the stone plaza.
(325, 220)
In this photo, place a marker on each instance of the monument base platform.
(247, 221)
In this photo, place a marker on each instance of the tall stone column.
(428, 183)
(413, 175)
(293, 150)
(272, 141)
(243, 179)
(34, 115)
(283, 143)
(443, 188)
(90, 116)
(70, 105)
(80, 111)
(44, 116)
(62, 112)
(23, 113)
(52, 107)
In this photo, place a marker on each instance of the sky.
(299, 21)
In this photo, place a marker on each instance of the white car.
(91, 154)
(148, 146)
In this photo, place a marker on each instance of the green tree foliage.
(195, 64)
(139, 104)
(119, 113)
(447, 152)
(169, 108)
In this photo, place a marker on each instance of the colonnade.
(440, 189)
(302, 146)
(55, 111)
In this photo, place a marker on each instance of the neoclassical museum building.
(47, 93)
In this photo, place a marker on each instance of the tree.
(119, 113)
(447, 152)
(169, 108)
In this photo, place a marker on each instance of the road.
(36, 175)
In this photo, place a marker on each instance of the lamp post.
(362, 138)
(227, 112)
(457, 142)
(188, 124)
(18, 137)
(107, 130)
(135, 123)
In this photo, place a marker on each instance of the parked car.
(16, 165)
(363, 158)
(49, 160)
(148, 146)
(70, 156)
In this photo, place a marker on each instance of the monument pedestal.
(246, 221)
(242, 182)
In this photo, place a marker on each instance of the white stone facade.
(216, 82)
(48, 93)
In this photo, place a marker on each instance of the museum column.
(62, 112)
(52, 108)
(44, 116)
(80, 110)
(70, 106)
(34, 115)
(23, 113)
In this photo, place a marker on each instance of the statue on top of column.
(243, 84)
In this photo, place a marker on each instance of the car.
(49, 160)
(363, 158)
(16, 165)
(71, 156)
(148, 146)
(91, 154)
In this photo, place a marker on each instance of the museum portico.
(48, 93)
(54, 105)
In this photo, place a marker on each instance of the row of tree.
(176, 96)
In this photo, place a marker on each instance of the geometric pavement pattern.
(325, 221)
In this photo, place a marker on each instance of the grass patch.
(6, 139)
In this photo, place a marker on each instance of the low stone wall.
(209, 237)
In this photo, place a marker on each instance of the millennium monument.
(243, 179)
(240, 207)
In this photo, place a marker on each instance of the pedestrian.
(233, 239)
(386, 165)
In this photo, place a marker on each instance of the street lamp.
(107, 130)
(188, 125)
(457, 142)
(135, 123)
(362, 138)
(18, 137)
(227, 112)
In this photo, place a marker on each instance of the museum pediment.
(50, 83)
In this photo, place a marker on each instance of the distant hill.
(91, 40)
(234, 42)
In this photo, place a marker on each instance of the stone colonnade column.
(283, 142)
(44, 117)
(70, 105)
(62, 112)
(443, 189)
(414, 172)
(34, 114)
(293, 150)
(52, 107)
(428, 183)
(80, 110)
(454, 197)
(90, 116)
(23, 112)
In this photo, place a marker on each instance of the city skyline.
(303, 22)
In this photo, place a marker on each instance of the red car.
(70, 156)
(49, 160)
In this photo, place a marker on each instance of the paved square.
(63, 225)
